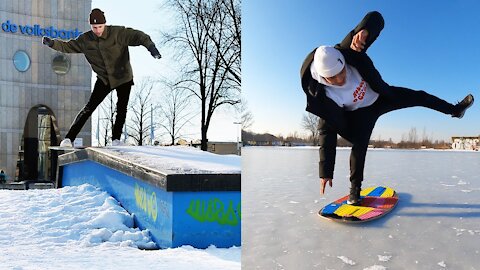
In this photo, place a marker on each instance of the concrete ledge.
(24, 185)
(167, 182)
(177, 208)
(14, 186)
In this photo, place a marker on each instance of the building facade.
(41, 90)
(466, 143)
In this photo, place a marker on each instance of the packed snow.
(176, 159)
(82, 227)
(436, 224)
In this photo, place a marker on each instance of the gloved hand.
(154, 52)
(47, 41)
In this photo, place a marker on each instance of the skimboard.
(376, 202)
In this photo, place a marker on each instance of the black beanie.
(97, 17)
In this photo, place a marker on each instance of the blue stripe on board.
(329, 209)
(377, 192)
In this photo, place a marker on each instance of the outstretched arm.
(364, 34)
(328, 144)
(71, 46)
(132, 37)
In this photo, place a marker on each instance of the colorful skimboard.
(375, 203)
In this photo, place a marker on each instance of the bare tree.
(141, 107)
(245, 114)
(211, 60)
(175, 111)
(228, 40)
(310, 123)
(412, 135)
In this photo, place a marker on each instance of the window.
(61, 64)
(21, 60)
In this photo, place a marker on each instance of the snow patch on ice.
(447, 185)
(375, 267)
(461, 231)
(442, 264)
(346, 260)
(384, 258)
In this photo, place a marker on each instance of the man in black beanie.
(106, 49)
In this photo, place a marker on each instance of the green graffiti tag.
(214, 210)
(146, 201)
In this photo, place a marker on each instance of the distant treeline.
(250, 138)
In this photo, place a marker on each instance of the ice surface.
(434, 221)
(176, 159)
(82, 227)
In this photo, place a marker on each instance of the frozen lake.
(436, 224)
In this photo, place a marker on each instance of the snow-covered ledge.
(184, 196)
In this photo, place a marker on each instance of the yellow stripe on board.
(350, 210)
(387, 193)
(366, 191)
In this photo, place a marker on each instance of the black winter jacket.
(330, 113)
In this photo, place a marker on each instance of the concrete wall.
(64, 95)
(224, 148)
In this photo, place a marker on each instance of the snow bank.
(83, 214)
(81, 227)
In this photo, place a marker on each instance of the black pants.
(100, 92)
(362, 121)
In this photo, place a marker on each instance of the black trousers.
(100, 92)
(362, 121)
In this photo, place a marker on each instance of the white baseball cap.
(328, 61)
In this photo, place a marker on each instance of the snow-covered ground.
(84, 228)
(176, 159)
(436, 224)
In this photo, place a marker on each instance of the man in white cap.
(346, 91)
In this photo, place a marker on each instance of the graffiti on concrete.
(146, 200)
(215, 210)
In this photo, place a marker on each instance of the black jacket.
(331, 114)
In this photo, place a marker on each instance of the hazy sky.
(425, 45)
(153, 18)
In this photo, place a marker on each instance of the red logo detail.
(360, 91)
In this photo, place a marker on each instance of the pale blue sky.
(425, 45)
(152, 17)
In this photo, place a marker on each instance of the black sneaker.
(462, 106)
(354, 197)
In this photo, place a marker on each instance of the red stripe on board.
(382, 203)
(341, 199)
(371, 214)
